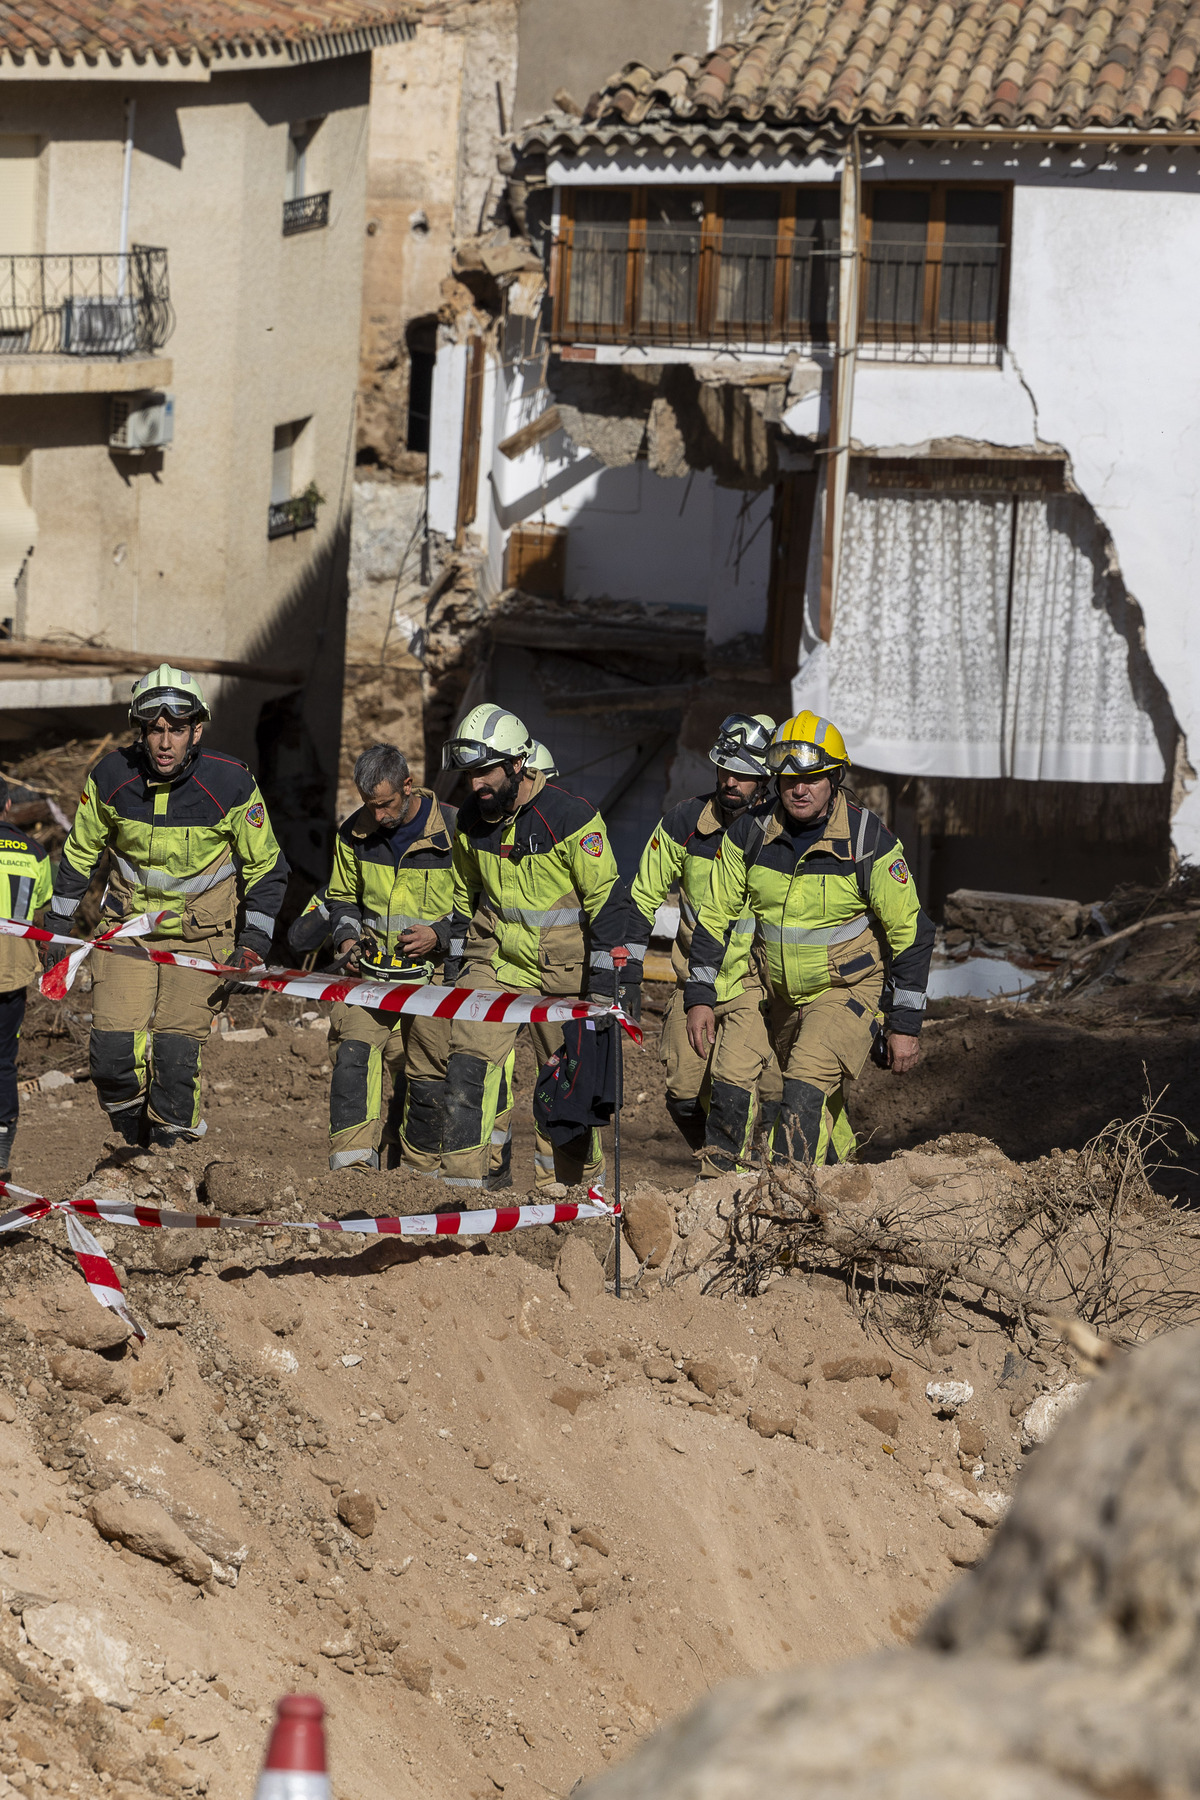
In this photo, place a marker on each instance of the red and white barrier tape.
(105, 1287)
(477, 1006)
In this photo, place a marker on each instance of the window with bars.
(760, 265)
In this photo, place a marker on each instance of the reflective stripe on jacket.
(178, 846)
(538, 899)
(683, 848)
(26, 882)
(829, 917)
(371, 896)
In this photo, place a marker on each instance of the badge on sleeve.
(899, 871)
(593, 843)
(255, 815)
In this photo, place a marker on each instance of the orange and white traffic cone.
(295, 1766)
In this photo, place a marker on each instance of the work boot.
(7, 1134)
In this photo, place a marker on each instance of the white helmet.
(742, 745)
(167, 690)
(487, 736)
(542, 759)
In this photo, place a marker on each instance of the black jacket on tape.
(577, 1089)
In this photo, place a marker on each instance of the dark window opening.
(421, 339)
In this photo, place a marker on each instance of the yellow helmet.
(807, 745)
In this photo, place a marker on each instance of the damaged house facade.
(850, 366)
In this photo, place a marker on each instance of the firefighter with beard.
(845, 941)
(539, 907)
(711, 1095)
(189, 837)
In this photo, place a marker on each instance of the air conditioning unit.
(138, 422)
(92, 326)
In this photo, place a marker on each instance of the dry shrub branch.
(1083, 1245)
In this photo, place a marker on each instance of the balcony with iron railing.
(754, 292)
(310, 212)
(115, 304)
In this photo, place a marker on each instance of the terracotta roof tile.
(155, 28)
(1036, 63)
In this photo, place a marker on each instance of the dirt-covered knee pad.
(348, 1089)
(115, 1067)
(798, 1131)
(465, 1126)
(175, 1082)
(727, 1137)
(423, 1115)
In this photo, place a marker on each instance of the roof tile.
(1044, 63)
(110, 28)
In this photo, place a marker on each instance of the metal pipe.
(837, 468)
(127, 175)
(714, 25)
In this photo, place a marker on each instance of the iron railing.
(307, 214)
(110, 304)
(286, 517)
(763, 291)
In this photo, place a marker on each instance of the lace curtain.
(928, 672)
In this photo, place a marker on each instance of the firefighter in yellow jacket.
(538, 906)
(388, 904)
(26, 879)
(844, 940)
(712, 1098)
(189, 837)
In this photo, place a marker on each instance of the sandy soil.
(504, 1530)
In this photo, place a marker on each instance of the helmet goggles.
(741, 747)
(470, 753)
(178, 707)
(795, 756)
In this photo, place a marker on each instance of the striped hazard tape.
(477, 1006)
(105, 1286)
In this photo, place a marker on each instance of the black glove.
(51, 954)
(631, 1000)
(245, 959)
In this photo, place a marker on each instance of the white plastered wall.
(1102, 361)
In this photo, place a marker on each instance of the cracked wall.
(1101, 365)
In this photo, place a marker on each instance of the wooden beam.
(544, 426)
(624, 699)
(641, 762)
(538, 633)
(138, 661)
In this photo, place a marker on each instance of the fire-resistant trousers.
(821, 1046)
(386, 1086)
(388, 1094)
(149, 1023)
(717, 1100)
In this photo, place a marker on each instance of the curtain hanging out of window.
(981, 636)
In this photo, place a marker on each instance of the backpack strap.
(866, 849)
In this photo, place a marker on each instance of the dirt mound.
(1073, 1645)
(505, 1524)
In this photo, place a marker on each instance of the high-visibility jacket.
(26, 881)
(371, 896)
(308, 932)
(181, 847)
(538, 900)
(683, 847)
(827, 917)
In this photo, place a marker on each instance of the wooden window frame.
(931, 330)
(705, 328)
